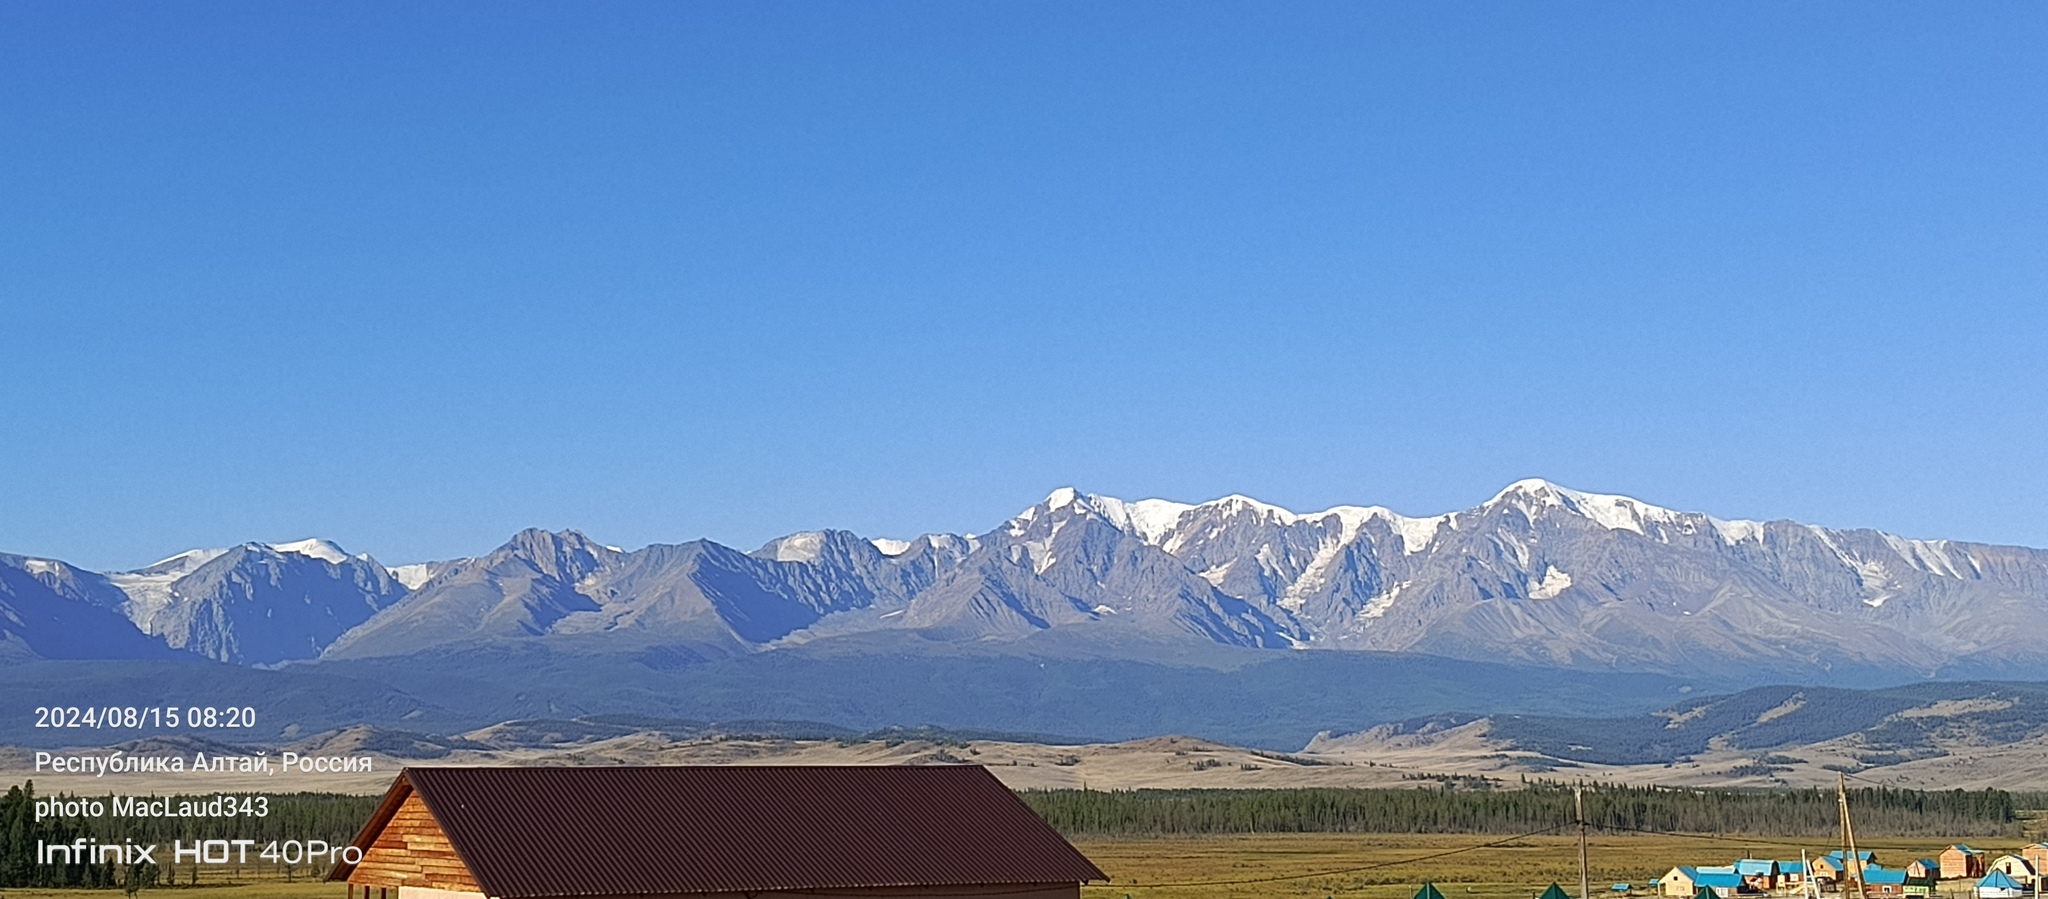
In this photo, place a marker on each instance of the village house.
(2016, 867)
(1825, 870)
(1791, 873)
(1760, 875)
(1924, 867)
(1678, 883)
(1884, 882)
(1959, 862)
(709, 832)
(2036, 855)
(1996, 885)
(1722, 880)
(1829, 868)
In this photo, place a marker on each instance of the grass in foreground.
(1144, 868)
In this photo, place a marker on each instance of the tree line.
(20, 832)
(1803, 813)
(331, 817)
(336, 818)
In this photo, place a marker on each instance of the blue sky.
(412, 276)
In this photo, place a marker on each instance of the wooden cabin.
(1880, 882)
(1758, 874)
(2036, 855)
(1721, 880)
(1830, 868)
(709, 832)
(1960, 861)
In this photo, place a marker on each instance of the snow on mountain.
(1073, 562)
(53, 610)
(314, 548)
(412, 576)
(1538, 573)
(890, 547)
(256, 603)
(1549, 574)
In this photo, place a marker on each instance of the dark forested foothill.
(21, 831)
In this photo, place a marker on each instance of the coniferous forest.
(330, 817)
(1803, 813)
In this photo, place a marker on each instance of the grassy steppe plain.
(1150, 868)
(1518, 870)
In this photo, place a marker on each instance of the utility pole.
(1852, 864)
(1579, 808)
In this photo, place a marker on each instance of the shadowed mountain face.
(1539, 574)
(50, 610)
(255, 605)
(718, 600)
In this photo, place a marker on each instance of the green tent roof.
(1555, 892)
(1705, 893)
(1429, 891)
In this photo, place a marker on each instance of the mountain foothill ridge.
(1539, 574)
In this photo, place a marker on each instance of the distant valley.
(1930, 736)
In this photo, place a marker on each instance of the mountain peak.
(182, 563)
(566, 554)
(1149, 520)
(313, 547)
(1612, 511)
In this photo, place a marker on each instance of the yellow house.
(1679, 882)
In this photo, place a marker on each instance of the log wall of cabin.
(977, 891)
(411, 851)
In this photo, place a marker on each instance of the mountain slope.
(700, 594)
(256, 603)
(1546, 574)
(51, 610)
(1538, 574)
(1063, 563)
(1944, 734)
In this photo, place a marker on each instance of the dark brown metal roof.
(539, 832)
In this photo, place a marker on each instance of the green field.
(1153, 868)
(1279, 866)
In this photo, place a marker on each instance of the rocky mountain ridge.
(1539, 574)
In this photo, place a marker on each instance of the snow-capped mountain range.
(1539, 573)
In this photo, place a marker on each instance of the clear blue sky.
(412, 276)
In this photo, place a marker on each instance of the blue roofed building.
(1999, 885)
(1723, 881)
(1791, 873)
(1678, 882)
(1760, 874)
